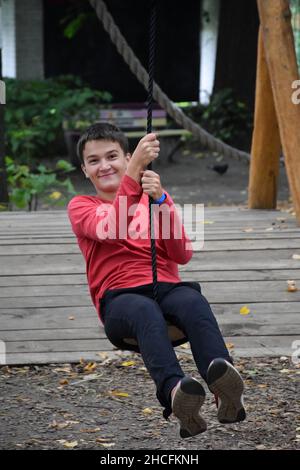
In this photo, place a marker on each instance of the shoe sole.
(186, 407)
(224, 381)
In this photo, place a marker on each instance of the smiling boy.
(120, 278)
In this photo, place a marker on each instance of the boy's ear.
(84, 170)
(128, 156)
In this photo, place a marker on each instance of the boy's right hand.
(146, 151)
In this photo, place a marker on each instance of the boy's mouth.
(108, 174)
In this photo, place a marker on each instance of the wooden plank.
(209, 236)
(240, 259)
(201, 276)
(74, 263)
(101, 344)
(233, 219)
(40, 222)
(47, 318)
(243, 347)
(43, 280)
(230, 325)
(61, 213)
(209, 245)
(59, 357)
(65, 345)
(59, 334)
(239, 275)
(238, 291)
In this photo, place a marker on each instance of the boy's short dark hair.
(102, 131)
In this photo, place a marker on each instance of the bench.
(132, 119)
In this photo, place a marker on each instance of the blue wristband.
(160, 200)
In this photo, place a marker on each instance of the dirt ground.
(112, 405)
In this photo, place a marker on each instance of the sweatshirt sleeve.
(91, 219)
(178, 245)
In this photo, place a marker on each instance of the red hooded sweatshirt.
(115, 242)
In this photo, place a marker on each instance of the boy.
(116, 247)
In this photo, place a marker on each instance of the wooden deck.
(46, 314)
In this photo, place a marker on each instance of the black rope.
(152, 31)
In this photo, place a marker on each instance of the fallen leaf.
(296, 256)
(111, 444)
(269, 229)
(103, 439)
(262, 386)
(185, 346)
(103, 355)
(128, 363)
(66, 369)
(71, 318)
(147, 411)
(68, 445)
(250, 229)
(286, 371)
(90, 430)
(90, 367)
(64, 382)
(291, 286)
(116, 393)
(229, 345)
(244, 310)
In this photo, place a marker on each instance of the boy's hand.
(151, 184)
(146, 151)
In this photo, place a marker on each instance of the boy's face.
(104, 164)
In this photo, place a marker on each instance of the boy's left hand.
(151, 184)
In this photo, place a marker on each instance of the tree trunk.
(275, 17)
(266, 145)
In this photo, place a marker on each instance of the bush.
(36, 109)
(226, 118)
(27, 186)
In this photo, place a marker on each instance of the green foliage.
(27, 187)
(225, 117)
(75, 24)
(36, 109)
(295, 10)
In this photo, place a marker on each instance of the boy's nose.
(104, 167)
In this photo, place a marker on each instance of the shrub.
(27, 187)
(36, 109)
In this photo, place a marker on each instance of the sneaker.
(227, 385)
(187, 400)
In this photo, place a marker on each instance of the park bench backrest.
(133, 118)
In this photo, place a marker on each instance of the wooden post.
(275, 18)
(266, 146)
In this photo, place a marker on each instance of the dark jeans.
(132, 313)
